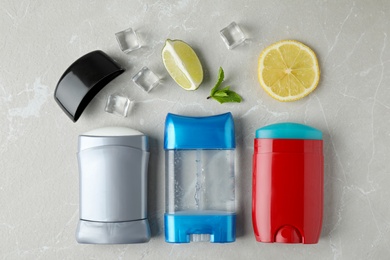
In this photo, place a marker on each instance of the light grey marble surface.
(38, 142)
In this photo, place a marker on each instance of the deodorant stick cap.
(289, 131)
(121, 136)
(209, 132)
(83, 80)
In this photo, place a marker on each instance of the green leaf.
(223, 95)
(221, 76)
(230, 96)
(220, 93)
(226, 88)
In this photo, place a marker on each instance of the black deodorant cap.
(83, 80)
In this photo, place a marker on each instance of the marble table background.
(38, 167)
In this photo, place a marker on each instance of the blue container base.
(180, 227)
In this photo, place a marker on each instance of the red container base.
(287, 190)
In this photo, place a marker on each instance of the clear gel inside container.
(200, 181)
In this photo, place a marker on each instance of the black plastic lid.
(83, 80)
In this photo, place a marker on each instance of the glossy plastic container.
(113, 165)
(288, 172)
(83, 80)
(200, 182)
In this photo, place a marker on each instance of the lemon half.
(288, 70)
(182, 64)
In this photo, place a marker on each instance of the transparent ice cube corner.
(128, 40)
(118, 105)
(146, 79)
(232, 35)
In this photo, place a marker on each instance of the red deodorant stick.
(288, 186)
